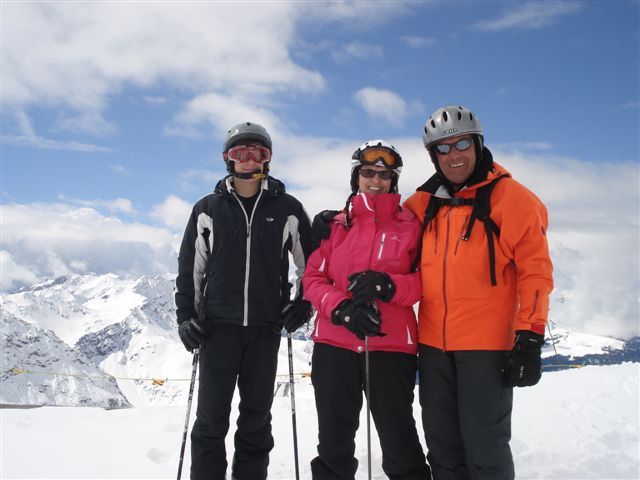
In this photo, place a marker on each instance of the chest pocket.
(389, 251)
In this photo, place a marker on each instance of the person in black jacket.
(233, 299)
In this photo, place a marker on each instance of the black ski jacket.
(233, 265)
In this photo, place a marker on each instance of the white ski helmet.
(450, 121)
(380, 152)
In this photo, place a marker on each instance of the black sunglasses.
(383, 174)
(461, 146)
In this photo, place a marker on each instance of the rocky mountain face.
(37, 368)
(112, 342)
(106, 329)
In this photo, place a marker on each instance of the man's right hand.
(192, 334)
(321, 225)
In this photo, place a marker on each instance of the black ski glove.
(192, 334)
(524, 366)
(321, 226)
(371, 285)
(363, 320)
(295, 314)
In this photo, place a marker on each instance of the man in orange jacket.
(486, 279)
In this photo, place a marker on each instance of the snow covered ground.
(575, 424)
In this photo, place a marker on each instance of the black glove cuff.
(337, 314)
(529, 341)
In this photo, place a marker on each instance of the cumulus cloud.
(74, 57)
(117, 205)
(382, 104)
(594, 234)
(172, 212)
(529, 15)
(48, 240)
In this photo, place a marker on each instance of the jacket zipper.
(444, 283)
(381, 245)
(249, 220)
(464, 227)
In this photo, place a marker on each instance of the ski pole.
(196, 354)
(293, 406)
(366, 386)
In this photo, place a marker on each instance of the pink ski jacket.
(382, 237)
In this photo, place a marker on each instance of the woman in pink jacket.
(360, 282)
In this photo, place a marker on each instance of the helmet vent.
(445, 116)
(471, 117)
(459, 116)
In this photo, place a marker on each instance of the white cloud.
(75, 56)
(49, 144)
(418, 42)
(12, 274)
(222, 112)
(358, 51)
(529, 15)
(382, 105)
(122, 205)
(49, 240)
(172, 212)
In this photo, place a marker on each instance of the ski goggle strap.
(373, 155)
(246, 153)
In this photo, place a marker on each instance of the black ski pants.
(338, 377)
(248, 356)
(466, 414)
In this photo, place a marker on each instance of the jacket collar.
(383, 205)
(272, 186)
(438, 186)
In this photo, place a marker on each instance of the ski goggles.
(461, 145)
(370, 173)
(246, 153)
(373, 155)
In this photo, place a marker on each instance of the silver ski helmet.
(450, 121)
(243, 132)
(376, 152)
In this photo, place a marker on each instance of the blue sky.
(113, 116)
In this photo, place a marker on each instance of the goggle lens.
(460, 145)
(373, 155)
(246, 153)
(369, 173)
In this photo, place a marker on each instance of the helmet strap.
(255, 175)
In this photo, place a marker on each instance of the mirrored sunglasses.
(373, 155)
(370, 173)
(461, 146)
(246, 153)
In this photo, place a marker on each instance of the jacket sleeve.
(299, 231)
(196, 245)
(318, 287)
(524, 234)
(408, 288)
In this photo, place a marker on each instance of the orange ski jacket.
(459, 308)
